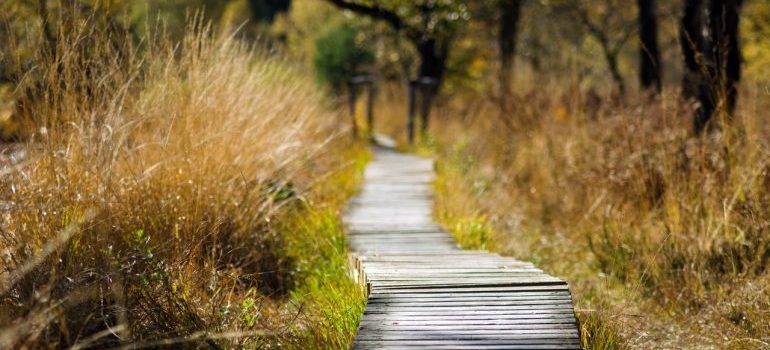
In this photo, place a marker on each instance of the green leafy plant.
(339, 56)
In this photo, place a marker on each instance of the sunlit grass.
(328, 299)
(596, 334)
(455, 205)
(648, 223)
(175, 195)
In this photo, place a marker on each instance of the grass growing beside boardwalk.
(661, 235)
(181, 196)
(456, 207)
(329, 302)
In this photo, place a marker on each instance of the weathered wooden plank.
(474, 304)
(471, 289)
(405, 346)
(524, 281)
(459, 257)
(480, 334)
(427, 312)
(466, 296)
(442, 259)
(466, 344)
(475, 319)
(469, 253)
(448, 273)
(400, 239)
(471, 321)
(467, 326)
(540, 309)
(406, 275)
(399, 235)
(391, 228)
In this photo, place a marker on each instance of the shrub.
(339, 57)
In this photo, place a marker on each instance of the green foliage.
(431, 18)
(249, 312)
(328, 302)
(469, 225)
(331, 302)
(755, 29)
(597, 334)
(339, 56)
(472, 232)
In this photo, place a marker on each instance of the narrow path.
(426, 292)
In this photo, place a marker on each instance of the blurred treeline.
(545, 37)
(466, 44)
(30, 25)
(552, 35)
(30, 29)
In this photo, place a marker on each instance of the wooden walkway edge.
(425, 292)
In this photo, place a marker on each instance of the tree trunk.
(649, 55)
(718, 80)
(611, 56)
(727, 55)
(433, 56)
(692, 41)
(506, 41)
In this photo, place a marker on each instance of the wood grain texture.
(425, 292)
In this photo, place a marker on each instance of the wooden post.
(427, 95)
(370, 109)
(353, 83)
(352, 107)
(410, 115)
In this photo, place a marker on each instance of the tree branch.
(594, 29)
(610, 49)
(377, 12)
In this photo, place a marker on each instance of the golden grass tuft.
(152, 210)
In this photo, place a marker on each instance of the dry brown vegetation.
(174, 195)
(662, 235)
(185, 195)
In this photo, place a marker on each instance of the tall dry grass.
(662, 235)
(152, 208)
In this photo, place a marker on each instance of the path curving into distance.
(425, 292)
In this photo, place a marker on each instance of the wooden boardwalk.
(425, 292)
